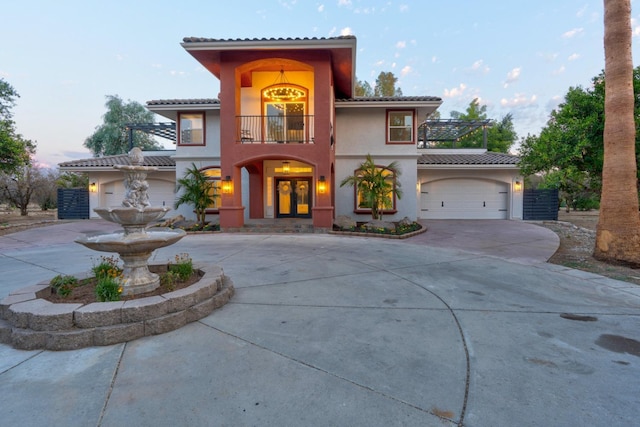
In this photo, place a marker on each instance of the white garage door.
(464, 199)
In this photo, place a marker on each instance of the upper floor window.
(191, 129)
(400, 125)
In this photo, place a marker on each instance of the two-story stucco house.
(286, 129)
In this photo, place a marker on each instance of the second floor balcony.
(275, 129)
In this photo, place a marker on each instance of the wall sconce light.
(227, 185)
(322, 185)
(517, 186)
(93, 187)
(286, 167)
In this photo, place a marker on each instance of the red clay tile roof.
(487, 158)
(197, 101)
(390, 99)
(120, 159)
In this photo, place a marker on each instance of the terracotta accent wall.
(234, 156)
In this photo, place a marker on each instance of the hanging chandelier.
(281, 90)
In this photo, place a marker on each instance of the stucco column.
(323, 209)
(231, 210)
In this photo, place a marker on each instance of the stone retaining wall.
(29, 322)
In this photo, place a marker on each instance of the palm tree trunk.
(618, 231)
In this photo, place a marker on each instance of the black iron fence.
(540, 205)
(73, 203)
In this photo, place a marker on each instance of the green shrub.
(63, 285)
(169, 280)
(108, 267)
(182, 266)
(108, 289)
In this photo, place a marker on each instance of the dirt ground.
(575, 229)
(11, 221)
(577, 232)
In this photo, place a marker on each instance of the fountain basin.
(134, 249)
(133, 220)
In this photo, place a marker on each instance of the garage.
(462, 198)
(160, 193)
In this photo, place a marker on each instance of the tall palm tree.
(197, 190)
(618, 231)
(376, 184)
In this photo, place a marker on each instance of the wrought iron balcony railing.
(281, 129)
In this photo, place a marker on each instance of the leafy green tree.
(112, 137)
(500, 136)
(376, 184)
(72, 180)
(15, 151)
(197, 190)
(570, 148)
(363, 88)
(474, 111)
(386, 85)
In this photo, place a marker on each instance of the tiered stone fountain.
(135, 244)
(28, 321)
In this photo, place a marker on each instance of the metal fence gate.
(540, 205)
(73, 203)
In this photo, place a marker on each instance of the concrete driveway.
(463, 325)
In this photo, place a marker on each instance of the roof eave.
(387, 104)
(467, 166)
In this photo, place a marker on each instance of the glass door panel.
(293, 198)
(285, 121)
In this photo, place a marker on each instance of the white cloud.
(519, 100)
(512, 76)
(573, 56)
(455, 92)
(480, 66)
(406, 70)
(401, 44)
(548, 57)
(156, 65)
(346, 31)
(573, 33)
(119, 57)
(560, 70)
(404, 8)
(434, 59)
(321, 8)
(393, 65)
(582, 11)
(344, 3)
(178, 73)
